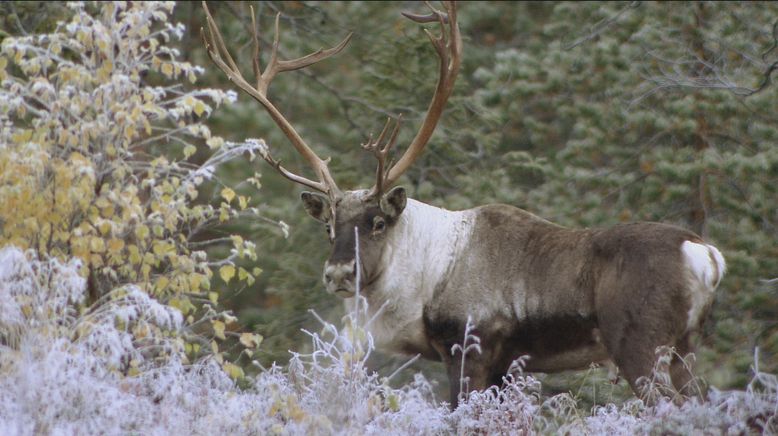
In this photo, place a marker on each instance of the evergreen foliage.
(123, 202)
(586, 114)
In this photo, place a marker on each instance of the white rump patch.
(707, 266)
(705, 262)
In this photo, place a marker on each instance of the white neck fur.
(419, 253)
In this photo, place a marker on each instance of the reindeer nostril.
(338, 273)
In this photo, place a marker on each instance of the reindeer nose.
(338, 272)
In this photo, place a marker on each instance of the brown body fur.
(564, 297)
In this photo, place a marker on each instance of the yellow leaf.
(218, 329)
(199, 108)
(97, 245)
(145, 269)
(115, 245)
(242, 274)
(227, 272)
(61, 236)
(194, 282)
(105, 227)
(247, 340)
(134, 254)
(214, 297)
(150, 259)
(141, 331)
(250, 340)
(234, 371)
(96, 260)
(256, 271)
(228, 194)
(162, 283)
(183, 304)
(167, 69)
(161, 248)
(142, 232)
(215, 142)
(22, 137)
(102, 45)
(189, 150)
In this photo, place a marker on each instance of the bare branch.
(775, 41)
(602, 25)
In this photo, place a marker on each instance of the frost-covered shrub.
(104, 158)
(511, 408)
(117, 367)
(67, 369)
(98, 182)
(103, 154)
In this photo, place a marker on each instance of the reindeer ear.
(393, 202)
(316, 206)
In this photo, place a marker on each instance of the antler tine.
(276, 65)
(255, 37)
(449, 49)
(381, 152)
(288, 174)
(216, 41)
(217, 51)
(432, 17)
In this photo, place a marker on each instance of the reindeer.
(564, 297)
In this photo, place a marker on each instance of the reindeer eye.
(378, 224)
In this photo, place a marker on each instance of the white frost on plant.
(31, 291)
(115, 368)
(118, 366)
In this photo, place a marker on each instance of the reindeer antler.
(448, 46)
(382, 151)
(217, 51)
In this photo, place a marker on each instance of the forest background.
(586, 114)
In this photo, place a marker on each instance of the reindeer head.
(366, 215)
(355, 217)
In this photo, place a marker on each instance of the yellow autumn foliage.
(95, 163)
